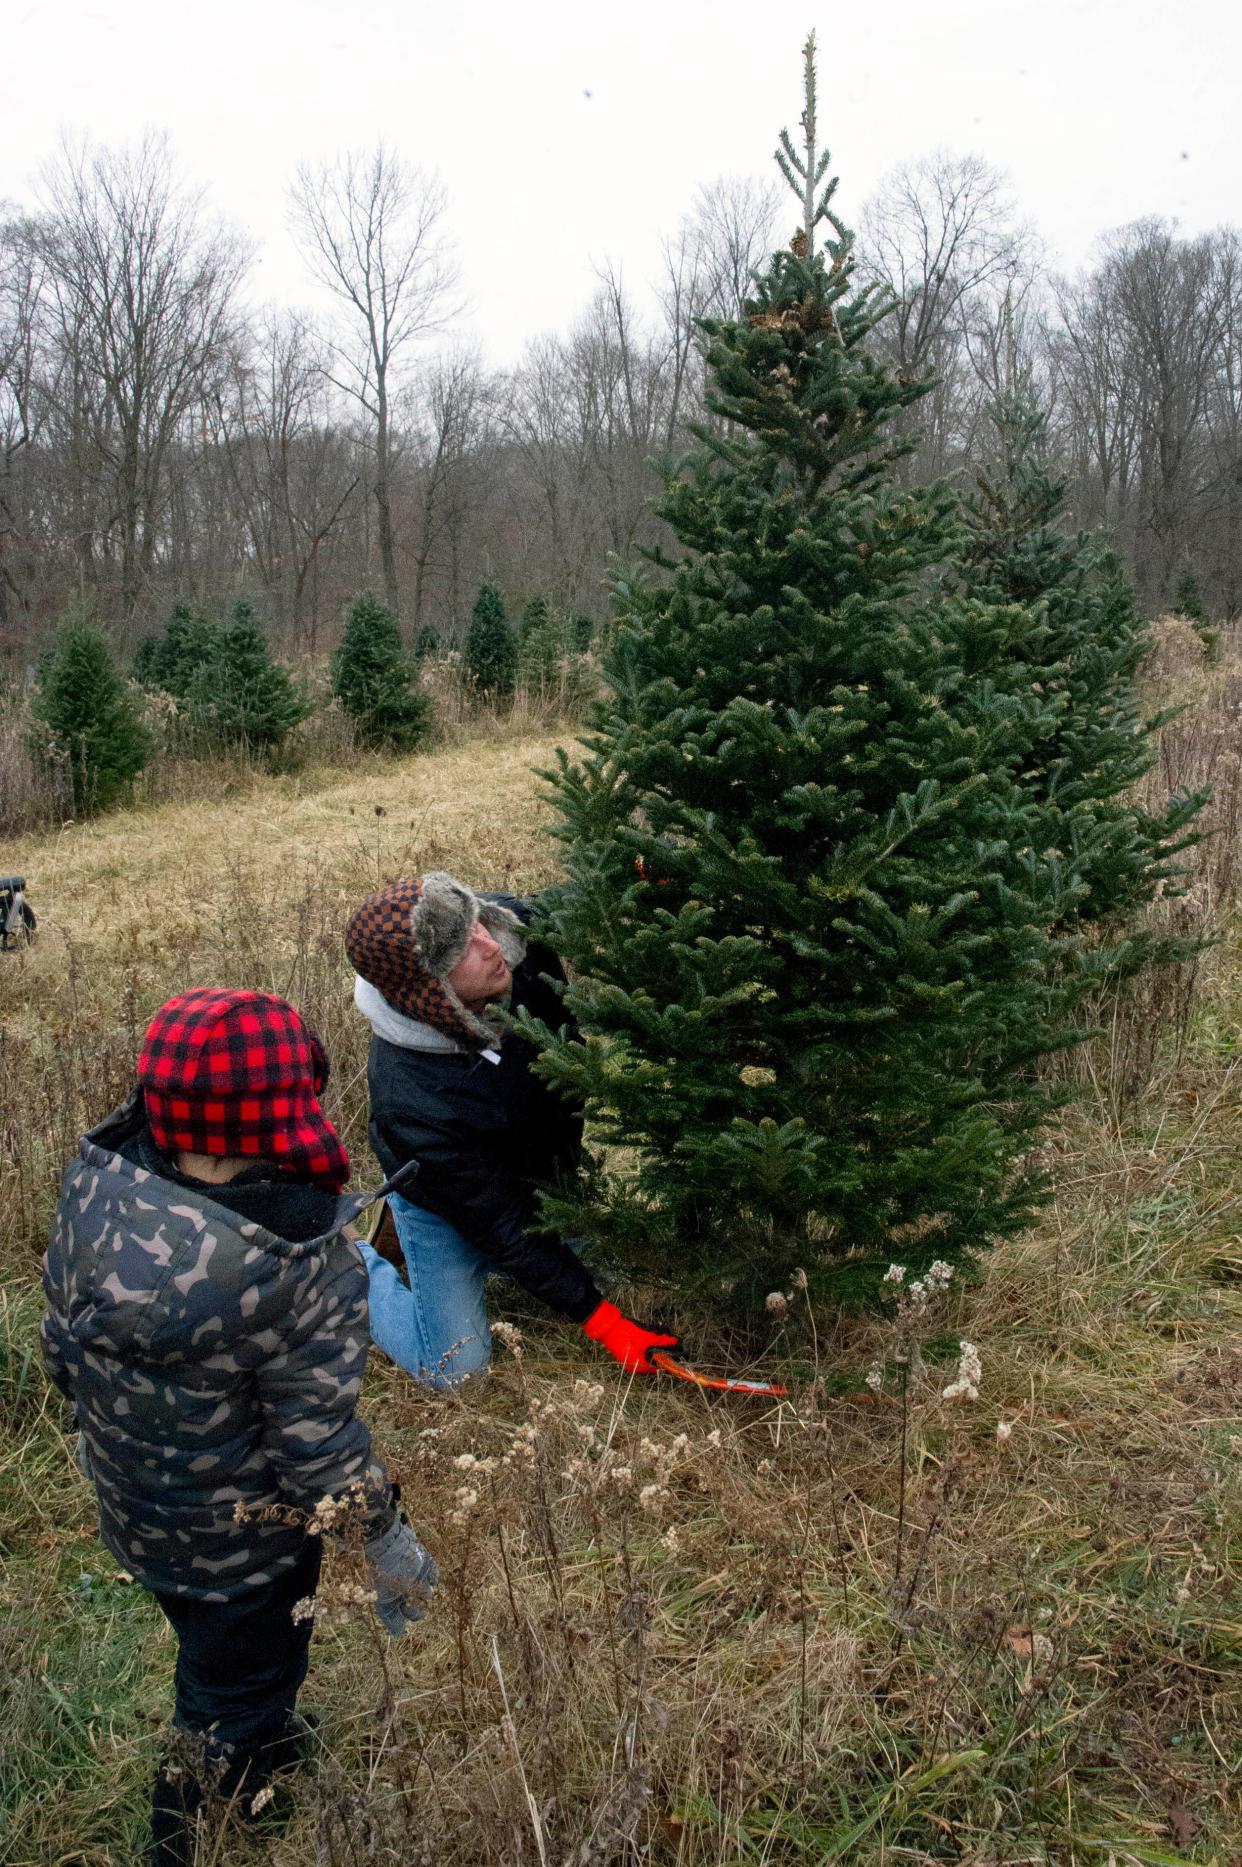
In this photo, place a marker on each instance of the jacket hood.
(153, 1269)
(395, 1028)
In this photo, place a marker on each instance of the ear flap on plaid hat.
(442, 921)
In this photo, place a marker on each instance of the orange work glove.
(624, 1339)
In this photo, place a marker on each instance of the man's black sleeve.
(461, 1179)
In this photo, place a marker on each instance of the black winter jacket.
(486, 1135)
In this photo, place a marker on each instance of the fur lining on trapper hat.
(406, 939)
(442, 921)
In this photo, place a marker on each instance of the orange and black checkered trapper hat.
(238, 1073)
(407, 939)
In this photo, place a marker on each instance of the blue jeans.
(437, 1329)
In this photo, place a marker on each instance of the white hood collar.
(394, 1027)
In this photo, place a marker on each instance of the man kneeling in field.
(452, 1091)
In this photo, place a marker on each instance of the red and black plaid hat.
(237, 1072)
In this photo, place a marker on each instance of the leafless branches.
(161, 441)
(372, 229)
(141, 290)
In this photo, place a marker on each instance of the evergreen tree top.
(806, 175)
(792, 377)
(489, 603)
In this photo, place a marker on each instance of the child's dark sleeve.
(54, 1337)
(308, 1394)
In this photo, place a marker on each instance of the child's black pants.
(239, 1666)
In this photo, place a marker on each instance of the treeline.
(161, 442)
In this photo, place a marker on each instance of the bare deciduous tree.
(144, 293)
(451, 436)
(729, 231)
(372, 229)
(22, 401)
(940, 234)
(291, 464)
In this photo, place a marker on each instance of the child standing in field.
(207, 1318)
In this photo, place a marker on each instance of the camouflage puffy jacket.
(211, 1365)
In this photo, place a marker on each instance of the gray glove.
(405, 1574)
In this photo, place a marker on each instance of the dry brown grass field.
(680, 1628)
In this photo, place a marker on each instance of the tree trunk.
(383, 499)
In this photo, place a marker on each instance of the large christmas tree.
(812, 907)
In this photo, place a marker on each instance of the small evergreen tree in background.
(535, 617)
(426, 642)
(1085, 639)
(542, 649)
(375, 681)
(490, 656)
(548, 665)
(1188, 602)
(88, 714)
(818, 922)
(171, 660)
(240, 697)
(582, 629)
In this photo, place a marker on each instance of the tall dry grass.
(1144, 1029)
(675, 1628)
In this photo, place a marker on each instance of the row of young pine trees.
(852, 840)
(229, 691)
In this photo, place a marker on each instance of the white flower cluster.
(511, 1336)
(467, 1501)
(327, 1514)
(661, 1460)
(916, 1295)
(353, 1595)
(470, 1462)
(969, 1374)
(522, 1448)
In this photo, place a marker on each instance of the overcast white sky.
(571, 132)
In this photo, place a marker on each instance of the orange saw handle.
(720, 1383)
